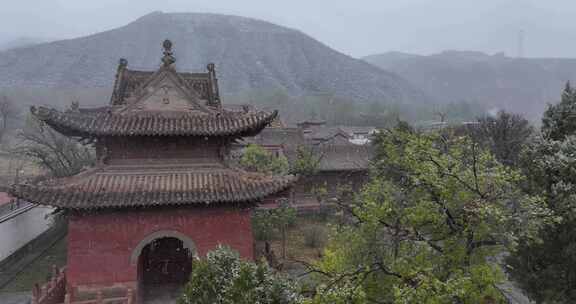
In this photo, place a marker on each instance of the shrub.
(222, 277)
(315, 236)
(255, 158)
(264, 226)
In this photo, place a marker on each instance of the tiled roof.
(324, 133)
(239, 107)
(344, 157)
(105, 122)
(352, 130)
(327, 132)
(278, 137)
(109, 188)
(311, 122)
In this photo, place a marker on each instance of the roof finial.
(168, 58)
(211, 67)
(122, 63)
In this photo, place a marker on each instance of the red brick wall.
(100, 245)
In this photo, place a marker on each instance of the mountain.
(523, 85)
(249, 55)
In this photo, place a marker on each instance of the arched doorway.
(164, 266)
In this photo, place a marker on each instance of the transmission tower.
(521, 44)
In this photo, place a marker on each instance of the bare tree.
(442, 115)
(60, 155)
(8, 112)
(504, 134)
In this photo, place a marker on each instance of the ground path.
(15, 298)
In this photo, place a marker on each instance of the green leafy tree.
(547, 269)
(257, 159)
(306, 165)
(268, 223)
(344, 293)
(559, 120)
(285, 216)
(263, 225)
(223, 278)
(428, 225)
(320, 193)
(306, 162)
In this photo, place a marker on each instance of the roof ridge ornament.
(122, 63)
(168, 58)
(213, 83)
(211, 68)
(75, 106)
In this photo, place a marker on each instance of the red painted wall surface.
(100, 245)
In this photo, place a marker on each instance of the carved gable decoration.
(141, 90)
(166, 97)
(166, 92)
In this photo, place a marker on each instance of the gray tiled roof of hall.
(108, 188)
(287, 137)
(348, 157)
(104, 122)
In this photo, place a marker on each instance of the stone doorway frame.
(188, 243)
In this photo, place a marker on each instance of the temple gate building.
(163, 191)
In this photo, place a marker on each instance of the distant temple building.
(340, 167)
(163, 191)
(343, 156)
(317, 132)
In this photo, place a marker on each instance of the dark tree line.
(504, 134)
(338, 111)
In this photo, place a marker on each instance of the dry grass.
(297, 251)
(10, 164)
(40, 270)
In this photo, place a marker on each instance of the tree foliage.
(269, 223)
(256, 158)
(547, 269)
(223, 278)
(426, 227)
(559, 120)
(504, 134)
(306, 162)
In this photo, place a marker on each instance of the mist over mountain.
(523, 85)
(21, 42)
(249, 55)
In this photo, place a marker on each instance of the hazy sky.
(357, 28)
